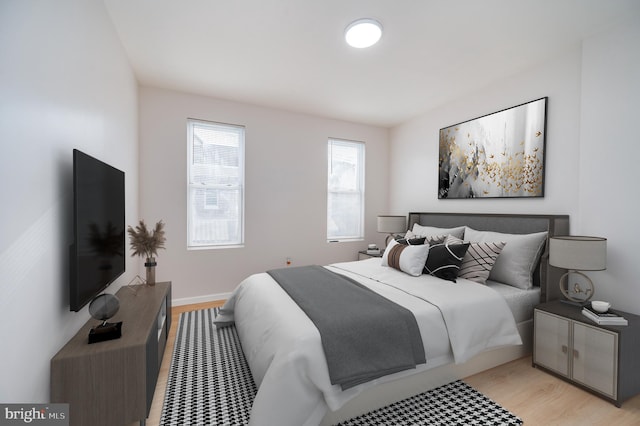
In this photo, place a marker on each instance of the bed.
(466, 325)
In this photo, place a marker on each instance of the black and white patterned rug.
(210, 384)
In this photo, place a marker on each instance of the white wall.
(285, 199)
(591, 151)
(64, 83)
(414, 145)
(610, 159)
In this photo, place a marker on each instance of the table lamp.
(391, 225)
(578, 253)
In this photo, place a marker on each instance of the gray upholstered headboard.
(546, 276)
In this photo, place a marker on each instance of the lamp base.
(106, 331)
(588, 292)
(389, 238)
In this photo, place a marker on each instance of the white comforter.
(284, 350)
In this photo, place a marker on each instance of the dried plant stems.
(145, 242)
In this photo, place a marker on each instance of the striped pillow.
(406, 258)
(479, 259)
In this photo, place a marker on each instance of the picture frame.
(498, 155)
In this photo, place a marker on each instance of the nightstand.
(603, 360)
(362, 254)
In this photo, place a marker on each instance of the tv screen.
(98, 248)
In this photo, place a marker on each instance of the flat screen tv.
(98, 248)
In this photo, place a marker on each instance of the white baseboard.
(200, 299)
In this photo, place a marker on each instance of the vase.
(150, 265)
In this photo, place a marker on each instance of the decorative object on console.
(147, 243)
(499, 155)
(102, 308)
(391, 225)
(578, 253)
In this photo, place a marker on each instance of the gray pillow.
(518, 258)
(429, 231)
(427, 239)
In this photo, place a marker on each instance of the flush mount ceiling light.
(363, 33)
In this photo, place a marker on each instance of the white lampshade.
(578, 253)
(392, 224)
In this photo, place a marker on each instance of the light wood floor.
(536, 397)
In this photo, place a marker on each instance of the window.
(211, 199)
(215, 209)
(345, 199)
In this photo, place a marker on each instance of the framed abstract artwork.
(499, 155)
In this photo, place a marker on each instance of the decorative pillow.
(411, 241)
(426, 231)
(518, 258)
(429, 239)
(479, 259)
(406, 258)
(444, 259)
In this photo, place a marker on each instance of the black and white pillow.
(479, 259)
(428, 239)
(444, 260)
(409, 240)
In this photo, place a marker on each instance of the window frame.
(361, 184)
(240, 186)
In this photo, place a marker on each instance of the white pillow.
(428, 231)
(518, 258)
(405, 258)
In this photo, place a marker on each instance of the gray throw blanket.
(364, 335)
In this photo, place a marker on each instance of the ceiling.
(291, 54)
